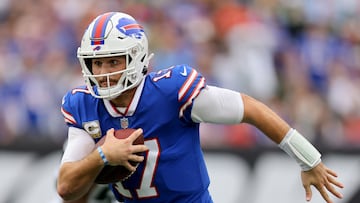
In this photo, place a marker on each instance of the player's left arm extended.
(219, 105)
(223, 106)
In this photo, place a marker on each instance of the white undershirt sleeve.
(218, 105)
(79, 145)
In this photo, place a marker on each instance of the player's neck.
(124, 99)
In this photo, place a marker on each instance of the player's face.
(108, 65)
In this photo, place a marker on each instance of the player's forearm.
(288, 139)
(265, 119)
(76, 178)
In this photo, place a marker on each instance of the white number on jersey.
(146, 189)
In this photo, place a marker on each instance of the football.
(113, 174)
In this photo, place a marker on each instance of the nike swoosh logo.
(184, 73)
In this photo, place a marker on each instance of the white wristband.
(299, 148)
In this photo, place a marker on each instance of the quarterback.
(167, 107)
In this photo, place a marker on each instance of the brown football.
(113, 174)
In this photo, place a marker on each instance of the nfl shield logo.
(124, 123)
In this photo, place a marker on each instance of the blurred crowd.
(300, 57)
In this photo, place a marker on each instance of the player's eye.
(97, 63)
(114, 62)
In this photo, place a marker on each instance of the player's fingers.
(323, 193)
(110, 135)
(130, 167)
(136, 158)
(335, 182)
(308, 193)
(110, 131)
(331, 172)
(135, 134)
(332, 189)
(139, 149)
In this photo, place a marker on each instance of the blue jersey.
(174, 168)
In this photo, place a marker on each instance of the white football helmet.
(114, 34)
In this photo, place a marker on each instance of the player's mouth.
(106, 84)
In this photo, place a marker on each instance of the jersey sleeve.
(189, 89)
(218, 105)
(70, 106)
(184, 81)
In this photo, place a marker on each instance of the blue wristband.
(102, 155)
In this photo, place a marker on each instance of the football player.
(167, 107)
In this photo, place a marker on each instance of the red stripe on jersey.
(80, 90)
(187, 84)
(69, 121)
(68, 117)
(194, 94)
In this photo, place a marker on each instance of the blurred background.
(300, 57)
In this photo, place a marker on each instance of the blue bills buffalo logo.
(97, 48)
(130, 28)
(127, 26)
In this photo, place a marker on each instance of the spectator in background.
(29, 31)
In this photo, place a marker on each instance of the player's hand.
(121, 151)
(323, 179)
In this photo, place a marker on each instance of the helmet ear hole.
(88, 64)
